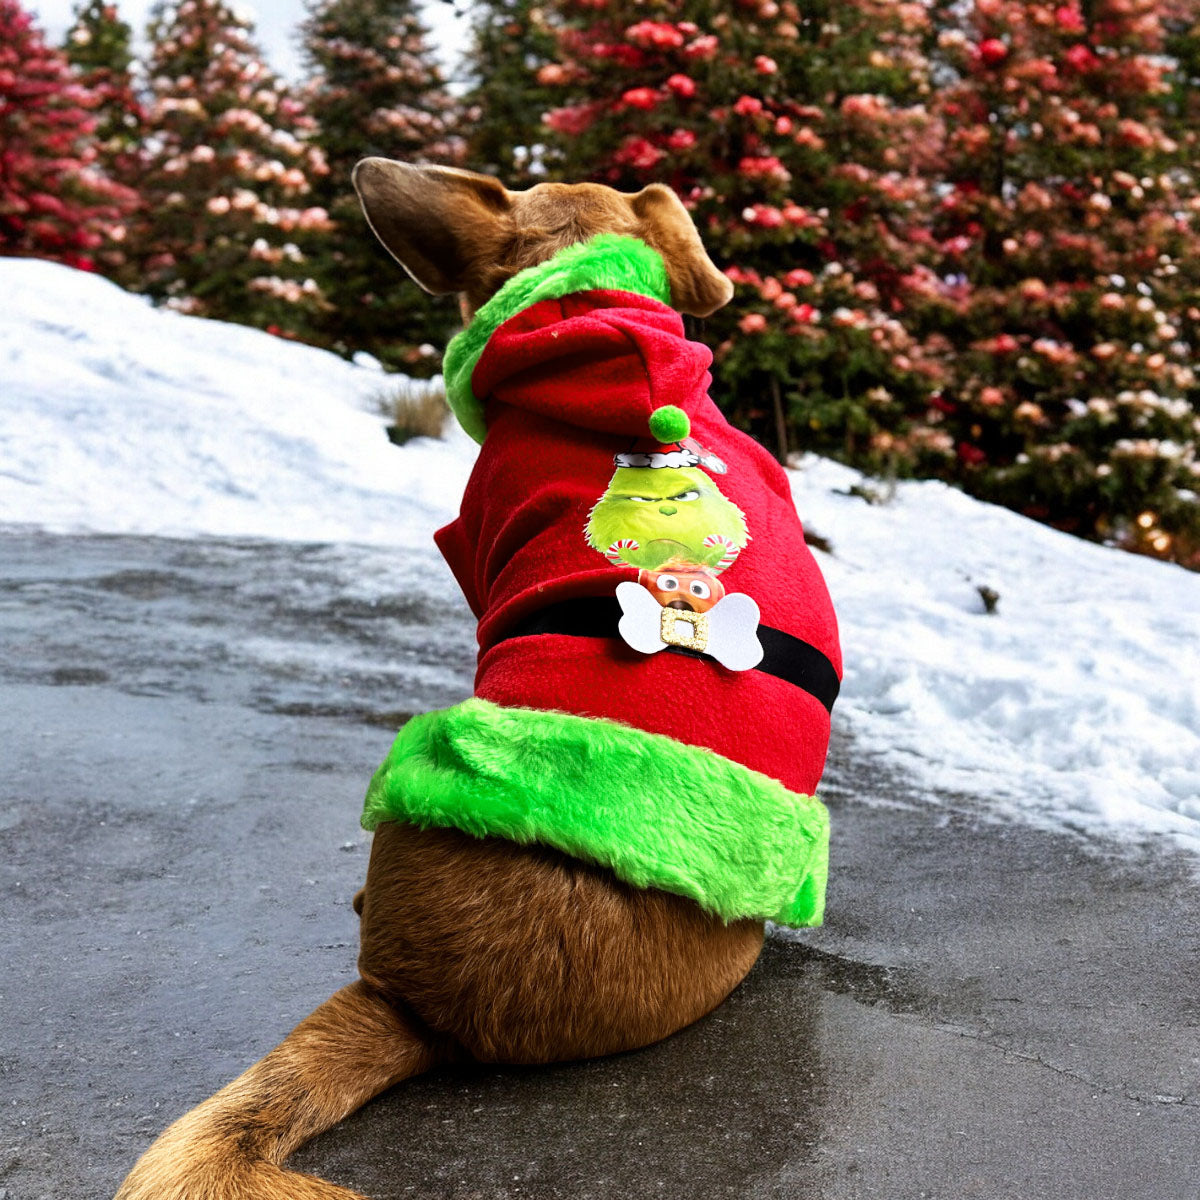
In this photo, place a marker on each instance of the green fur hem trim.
(607, 261)
(658, 813)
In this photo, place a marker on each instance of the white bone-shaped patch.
(728, 631)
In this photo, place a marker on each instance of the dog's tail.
(232, 1146)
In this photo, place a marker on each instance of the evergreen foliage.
(1066, 251)
(374, 90)
(514, 81)
(98, 46)
(230, 224)
(56, 201)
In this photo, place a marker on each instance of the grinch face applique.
(666, 516)
(653, 515)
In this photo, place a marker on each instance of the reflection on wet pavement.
(324, 630)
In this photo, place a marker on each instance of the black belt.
(786, 657)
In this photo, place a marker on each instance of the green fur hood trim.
(607, 261)
(658, 813)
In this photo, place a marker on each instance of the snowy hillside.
(125, 418)
(1077, 703)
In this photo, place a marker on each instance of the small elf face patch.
(683, 586)
(664, 515)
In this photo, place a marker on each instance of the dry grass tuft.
(413, 408)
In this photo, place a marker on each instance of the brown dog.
(540, 957)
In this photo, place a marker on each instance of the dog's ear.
(438, 223)
(697, 287)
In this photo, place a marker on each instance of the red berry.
(993, 51)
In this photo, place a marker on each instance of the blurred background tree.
(1066, 246)
(56, 199)
(229, 223)
(375, 88)
(99, 47)
(512, 50)
(796, 136)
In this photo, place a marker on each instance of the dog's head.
(456, 231)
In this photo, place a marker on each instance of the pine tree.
(1070, 232)
(230, 222)
(55, 199)
(98, 47)
(502, 110)
(375, 90)
(793, 134)
(1181, 23)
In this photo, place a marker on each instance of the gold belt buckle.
(681, 627)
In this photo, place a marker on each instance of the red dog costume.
(668, 768)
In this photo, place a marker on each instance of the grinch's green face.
(650, 516)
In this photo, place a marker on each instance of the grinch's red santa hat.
(664, 766)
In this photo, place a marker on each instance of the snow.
(129, 419)
(1075, 705)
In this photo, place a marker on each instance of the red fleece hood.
(568, 384)
(600, 360)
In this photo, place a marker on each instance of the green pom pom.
(669, 424)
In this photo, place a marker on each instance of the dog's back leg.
(232, 1146)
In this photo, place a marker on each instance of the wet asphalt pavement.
(186, 730)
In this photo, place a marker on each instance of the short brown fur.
(473, 948)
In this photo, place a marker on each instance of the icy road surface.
(187, 728)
